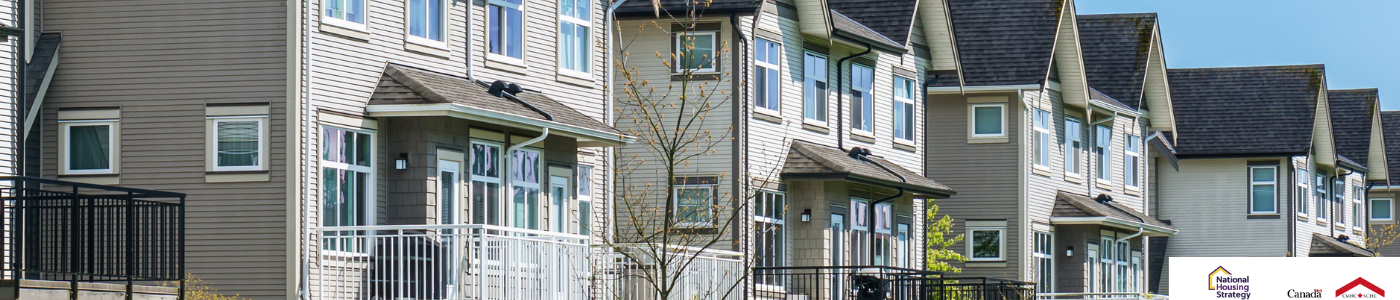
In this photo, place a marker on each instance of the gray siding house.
(1383, 194)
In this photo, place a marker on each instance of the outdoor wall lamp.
(401, 163)
(1069, 251)
(806, 215)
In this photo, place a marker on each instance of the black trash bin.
(868, 287)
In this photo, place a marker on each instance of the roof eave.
(842, 176)
(602, 138)
(1148, 229)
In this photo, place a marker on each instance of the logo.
(1376, 292)
(1315, 293)
(1227, 285)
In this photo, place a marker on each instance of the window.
(988, 120)
(88, 147)
(1121, 254)
(904, 90)
(1103, 140)
(1074, 147)
(1357, 195)
(575, 30)
(525, 188)
(1132, 159)
(585, 199)
(1320, 187)
(1137, 272)
(903, 253)
(347, 12)
(347, 176)
(1044, 262)
(986, 243)
(695, 205)
(766, 95)
(1262, 190)
(1300, 191)
(426, 20)
(448, 178)
(1106, 265)
(695, 51)
(883, 238)
(238, 144)
(1093, 267)
(486, 183)
(768, 221)
(1339, 191)
(1381, 209)
(1042, 138)
(505, 28)
(859, 235)
(559, 203)
(814, 87)
(863, 103)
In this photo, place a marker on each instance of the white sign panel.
(1262, 278)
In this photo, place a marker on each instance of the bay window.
(1103, 141)
(1074, 147)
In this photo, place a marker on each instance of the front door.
(838, 241)
(559, 204)
(448, 176)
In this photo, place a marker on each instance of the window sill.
(985, 264)
(1103, 184)
(1356, 231)
(1075, 178)
(440, 51)
(1321, 222)
(505, 63)
(1131, 190)
(578, 80)
(904, 145)
(767, 115)
(697, 76)
(988, 140)
(1381, 221)
(1041, 170)
(1301, 218)
(809, 125)
(103, 179)
(862, 137)
(331, 26)
(1263, 216)
(237, 176)
(1342, 227)
(696, 229)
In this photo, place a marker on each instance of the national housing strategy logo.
(1228, 286)
(1350, 291)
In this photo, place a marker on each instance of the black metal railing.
(78, 232)
(881, 283)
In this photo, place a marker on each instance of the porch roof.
(406, 91)
(1323, 245)
(1072, 209)
(808, 161)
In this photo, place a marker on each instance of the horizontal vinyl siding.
(161, 62)
(1207, 201)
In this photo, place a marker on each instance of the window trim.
(711, 206)
(1135, 143)
(587, 43)
(714, 45)
(822, 109)
(1302, 192)
(505, 58)
(1001, 243)
(760, 63)
(1106, 175)
(213, 152)
(781, 235)
(1371, 210)
(1042, 153)
(901, 100)
(1273, 182)
(370, 206)
(443, 16)
(855, 102)
(499, 180)
(972, 120)
(1073, 149)
(113, 146)
(541, 174)
(584, 172)
(326, 19)
(1319, 185)
(1036, 255)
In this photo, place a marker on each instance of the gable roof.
(1392, 149)
(1116, 50)
(1352, 112)
(844, 24)
(812, 161)
(1245, 110)
(891, 18)
(1005, 42)
(682, 7)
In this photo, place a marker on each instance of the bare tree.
(1381, 236)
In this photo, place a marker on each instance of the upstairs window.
(346, 12)
(1381, 209)
(88, 147)
(585, 199)
(1074, 147)
(1339, 192)
(1263, 189)
(238, 144)
(575, 28)
(695, 205)
(1320, 195)
(814, 87)
(695, 51)
(1356, 207)
(1042, 138)
(986, 244)
(766, 93)
(1300, 191)
(863, 108)
(1103, 140)
(904, 108)
(505, 28)
(425, 20)
(988, 120)
(1132, 159)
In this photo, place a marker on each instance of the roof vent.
(857, 152)
(1103, 198)
(502, 86)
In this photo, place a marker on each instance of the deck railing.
(1099, 296)
(882, 283)
(669, 272)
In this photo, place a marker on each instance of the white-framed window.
(1358, 195)
(486, 183)
(575, 37)
(695, 51)
(1103, 140)
(1137, 286)
(88, 147)
(1074, 147)
(1132, 160)
(1300, 191)
(863, 101)
(505, 29)
(1044, 262)
(770, 224)
(1121, 261)
(883, 238)
(695, 205)
(449, 176)
(1339, 192)
(346, 13)
(767, 62)
(427, 22)
(1320, 195)
(347, 181)
(1381, 209)
(904, 91)
(1092, 264)
(1263, 189)
(238, 143)
(559, 203)
(986, 244)
(1042, 137)
(525, 180)
(585, 199)
(1105, 260)
(859, 235)
(988, 119)
(904, 254)
(814, 86)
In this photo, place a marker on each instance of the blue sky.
(1359, 41)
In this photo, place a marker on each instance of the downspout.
(610, 155)
(306, 169)
(510, 159)
(870, 210)
(1140, 231)
(741, 145)
(840, 110)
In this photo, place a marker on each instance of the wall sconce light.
(806, 215)
(401, 163)
(1069, 251)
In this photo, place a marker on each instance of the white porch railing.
(1099, 296)
(641, 271)
(478, 262)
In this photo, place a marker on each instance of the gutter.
(984, 88)
(510, 157)
(1140, 231)
(840, 97)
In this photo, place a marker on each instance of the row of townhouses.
(505, 149)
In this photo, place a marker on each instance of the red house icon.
(1362, 282)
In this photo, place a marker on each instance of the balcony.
(882, 283)
(656, 271)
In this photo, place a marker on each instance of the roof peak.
(1304, 66)
(1118, 15)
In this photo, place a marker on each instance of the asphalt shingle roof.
(44, 51)
(1116, 49)
(1245, 110)
(1326, 245)
(808, 159)
(1391, 133)
(845, 24)
(891, 18)
(1074, 205)
(1005, 42)
(683, 7)
(408, 85)
(1352, 112)
(1095, 94)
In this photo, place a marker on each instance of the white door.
(559, 204)
(838, 242)
(449, 177)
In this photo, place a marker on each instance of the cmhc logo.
(1376, 292)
